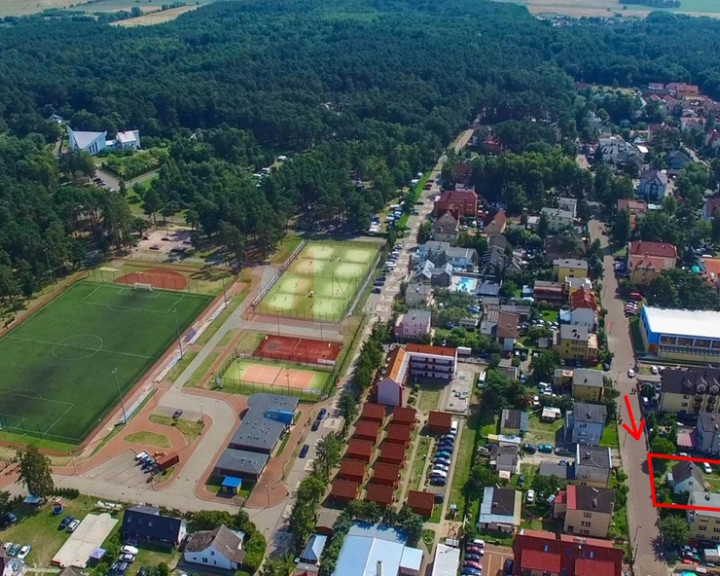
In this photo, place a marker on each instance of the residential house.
(392, 453)
(397, 434)
(685, 477)
(506, 460)
(488, 289)
(587, 385)
(496, 225)
(459, 203)
(710, 271)
(220, 548)
(500, 509)
(646, 260)
(418, 295)
(569, 268)
(513, 422)
(344, 491)
(507, 330)
(545, 553)
(56, 118)
(553, 293)
(584, 309)
(433, 250)
(358, 449)
(593, 466)
(565, 244)
(707, 433)
(373, 413)
(422, 503)
(462, 172)
(404, 416)
(636, 209)
(437, 276)
(671, 105)
(386, 474)
(497, 241)
(575, 284)
(90, 142)
(692, 124)
(676, 161)
(575, 343)
(569, 204)
(653, 185)
(557, 218)
(439, 422)
(463, 258)
(128, 140)
(692, 391)
(352, 470)
(562, 472)
(614, 150)
(314, 549)
(367, 430)
(488, 325)
(681, 89)
(587, 510)
(584, 424)
(382, 494)
(704, 525)
(445, 228)
(493, 262)
(413, 325)
(710, 207)
(145, 524)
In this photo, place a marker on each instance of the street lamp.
(177, 330)
(47, 259)
(122, 402)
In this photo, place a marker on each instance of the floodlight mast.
(177, 331)
(122, 402)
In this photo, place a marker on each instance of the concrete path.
(642, 516)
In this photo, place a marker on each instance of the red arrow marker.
(634, 432)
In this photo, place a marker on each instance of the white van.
(454, 427)
(482, 377)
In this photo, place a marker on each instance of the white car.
(24, 551)
(631, 373)
(654, 370)
(530, 498)
(706, 468)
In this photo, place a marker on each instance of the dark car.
(64, 522)
(446, 446)
(474, 557)
(322, 413)
(315, 425)
(560, 451)
(508, 566)
(177, 413)
(8, 519)
(530, 448)
(438, 481)
(521, 480)
(142, 571)
(376, 290)
(304, 450)
(439, 498)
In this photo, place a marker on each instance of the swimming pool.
(467, 285)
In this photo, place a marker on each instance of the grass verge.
(148, 439)
(190, 429)
(419, 463)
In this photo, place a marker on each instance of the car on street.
(631, 373)
(508, 568)
(24, 551)
(545, 448)
(315, 425)
(561, 451)
(304, 451)
(322, 413)
(530, 498)
(65, 521)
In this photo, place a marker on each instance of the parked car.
(560, 451)
(73, 526)
(438, 481)
(14, 549)
(7, 519)
(129, 558)
(322, 413)
(177, 413)
(472, 564)
(474, 557)
(443, 467)
(508, 568)
(24, 551)
(315, 425)
(521, 480)
(474, 550)
(706, 468)
(446, 446)
(471, 572)
(65, 521)
(631, 373)
(376, 290)
(545, 448)
(530, 448)
(7, 546)
(142, 571)
(445, 461)
(304, 451)
(530, 498)
(130, 548)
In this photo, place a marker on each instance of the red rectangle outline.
(655, 503)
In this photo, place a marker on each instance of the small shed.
(421, 503)
(387, 474)
(314, 549)
(367, 430)
(373, 412)
(326, 521)
(382, 495)
(397, 434)
(439, 422)
(231, 485)
(344, 491)
(392, 453)
(405, 416)
(360, 449)
(353, 470)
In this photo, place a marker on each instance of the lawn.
(154, 554)
(610, 437)
(428, 538)
(464, 459)
(63, 369)
(39, 528)
(129, 165)
(549, 315)
(188, 428)
(542, 432)
(489, 425)
(420, 462)
(148, 438)
(286, 247)
(436, 515)
(429, 398)
(321, 282)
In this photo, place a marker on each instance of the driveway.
(642, 516)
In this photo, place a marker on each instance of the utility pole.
(177, 331)
(122, 402)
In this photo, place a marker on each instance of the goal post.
(144, 286)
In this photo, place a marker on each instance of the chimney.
(378, 568)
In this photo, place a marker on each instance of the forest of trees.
(368, 90)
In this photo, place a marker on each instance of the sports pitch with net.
(322, 281)
(56, 368)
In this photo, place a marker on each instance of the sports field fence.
(159, 278)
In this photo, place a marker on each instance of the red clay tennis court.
(298, 350)
(277, 376)
(157, 277)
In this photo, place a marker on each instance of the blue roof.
(231, 482)
(365, 544)
(313, 549)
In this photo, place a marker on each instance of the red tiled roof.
(571, 497)
(358, 447)
(661, 249)
(542, 561)
(507, 326)
(391, 451)
(632, 205)
(436, 350)
(352, 468)
(712, 265)
(383, 471)
(366, 429)
(647, 262)
(583, 299)
(424, 500)
(398, 432)
(594, 567)
(402, 415)
(500, 218)
(436, 418)
(588, 541)
(561, 497)
(373, 412)
(379, 493)
(344, 489)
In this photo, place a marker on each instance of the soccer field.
(56, 368)
(322, 281)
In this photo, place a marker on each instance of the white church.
(94, 142)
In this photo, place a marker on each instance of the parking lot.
(120, 471)
(456, 397)
(494, 559)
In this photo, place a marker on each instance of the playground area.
(298, 350)
(321, 282)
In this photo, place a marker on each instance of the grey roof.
(700, 380)
(224, 540)
(655, 175)
(497, 241)
(416, 288)
(559, 212)
(314, 549)
(468, 253)
(554, 469)
(83, 139)
(585, 377)
(590, 413)
(708, 422)
(569, 332)
(684, 470)
(590, 499)
(570, 262)
(419, 315)
(257, 431)
(506, 460)
(593, 456)
(242, 462)
(708, 499)
(516, 419)
(498, 505)
(435, 246)
(488, 288)
(147, 522)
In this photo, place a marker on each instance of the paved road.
(642, 516)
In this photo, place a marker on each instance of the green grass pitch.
(56, 378)
(322, 282)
